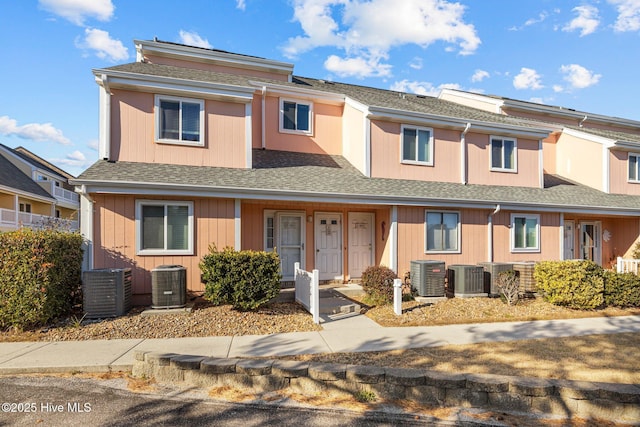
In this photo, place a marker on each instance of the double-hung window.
(179, 120)
(164, 227)
(442, 231)
(417, 145)
(634, 167)
(525, 233)
(503, 154)
(296, 116)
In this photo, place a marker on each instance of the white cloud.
(240, 4)
(537, 100)
(75, 159)
(76, 11)
(558, 88)
(416, 63)
(541, 17)
(103, 45)
(357, 67)
(94, 144)
(578, 76)
(32, 131)
(527, 79)
(479, 76)
(628, 15)
(194, 39)
(586, 22)
(422, 88)
(355, 27)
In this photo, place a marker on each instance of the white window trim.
(515, 154)
(637, 180)
(281, 116)
(156, 119)
(459, 227)
(431, 144)
(138, 224)
(513, 233)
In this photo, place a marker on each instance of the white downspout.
(264, 114)
(393, 238)
(86, 226)
(490, 232)
(105, 119)
(463, 154)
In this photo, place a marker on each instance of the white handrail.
(308, 290)
(627, 265)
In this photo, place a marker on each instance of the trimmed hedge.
(39, 276)
(244, 279)
(377, 282)
(621, 289)
(574, 284)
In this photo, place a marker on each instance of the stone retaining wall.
(616, 402)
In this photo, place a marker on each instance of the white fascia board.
(586, 210)
(457, 123)
(210, 56)
(302, 93)
(170, 85)
(607, 142)
(364, 109)
(27, 194)
(566, 112)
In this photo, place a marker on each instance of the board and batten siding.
(133, 134)
(115, 239)
(474, 242)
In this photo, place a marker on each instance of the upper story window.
(164, 228)
(442, 231)
(296, 116)
(634, 167)
(525, 233)
(179, 120)
(504, 154)
(417, 145)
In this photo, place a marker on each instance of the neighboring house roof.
(13, 178)
(41, 163)
(302, 176)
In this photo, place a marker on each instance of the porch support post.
(237, 226)
(16, 210)
(393, 238)
(561, 257)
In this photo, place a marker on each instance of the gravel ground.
(204, 320)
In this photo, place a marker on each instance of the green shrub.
(621, 289)
(377, 282)
(574, 284)
(244, 279)
(39, 276)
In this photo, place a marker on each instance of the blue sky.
(582, 54)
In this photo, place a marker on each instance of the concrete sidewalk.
(351, 334)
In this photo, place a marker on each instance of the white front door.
(569, 240)
(328, 237)
(590, 241)
(360, 243)
(290, 241)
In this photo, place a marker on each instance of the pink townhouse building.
(202, 147)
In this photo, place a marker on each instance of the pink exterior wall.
(386, 155)
(327, 130)
(580, 160)
(474, 238)
(133, 134)
(619, 174)
(479, 163)
(155, 59)
(115, 239)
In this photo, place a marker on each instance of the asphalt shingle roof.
(12, 177)
(319, 175)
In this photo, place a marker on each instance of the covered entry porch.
(338, 240)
